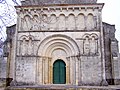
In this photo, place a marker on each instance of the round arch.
(58, 41)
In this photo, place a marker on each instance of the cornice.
(98, 6)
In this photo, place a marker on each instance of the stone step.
(57, 89)
(63, 87)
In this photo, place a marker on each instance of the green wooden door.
(59, 72)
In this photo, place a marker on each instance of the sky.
(110, 14)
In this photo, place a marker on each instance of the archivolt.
(58, 41)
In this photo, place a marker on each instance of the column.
(71, 71)
(85, 22)
(66, 22)
(51, 75)
(43, 69)
(49, 70)
(76, 23)
(37, 71)
(68, 71)
(80, 71)
(39, 68)
(95, 22)
(46, 70)
(77, 70)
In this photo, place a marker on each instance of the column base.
(13, 83)
(8, 81)
(104, 83)
(80, 83)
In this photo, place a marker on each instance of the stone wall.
(3, 71)
(111, 53)
(89, 62)
(70, 33)
(25, 70)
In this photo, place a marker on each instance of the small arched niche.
(90, 22)
(71, 22)
(44, 22)
(26, 23)
(80, 22)
(53, 22)
(62, 20)
(35, 22)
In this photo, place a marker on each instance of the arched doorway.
(59, 72)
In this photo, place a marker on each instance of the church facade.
(63, 42)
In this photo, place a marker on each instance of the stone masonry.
(63, 36)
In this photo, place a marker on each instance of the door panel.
(59, 72)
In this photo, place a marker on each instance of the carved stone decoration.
(86, 46)
(26, 23)
(35, 23)
(44, 22)
(39, 22)
(94, 40)
(30, 46)
(93, 45)
(27, 45)
(90, 44)
(53, 22)
(24, 46)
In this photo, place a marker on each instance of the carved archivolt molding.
(57, 42)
